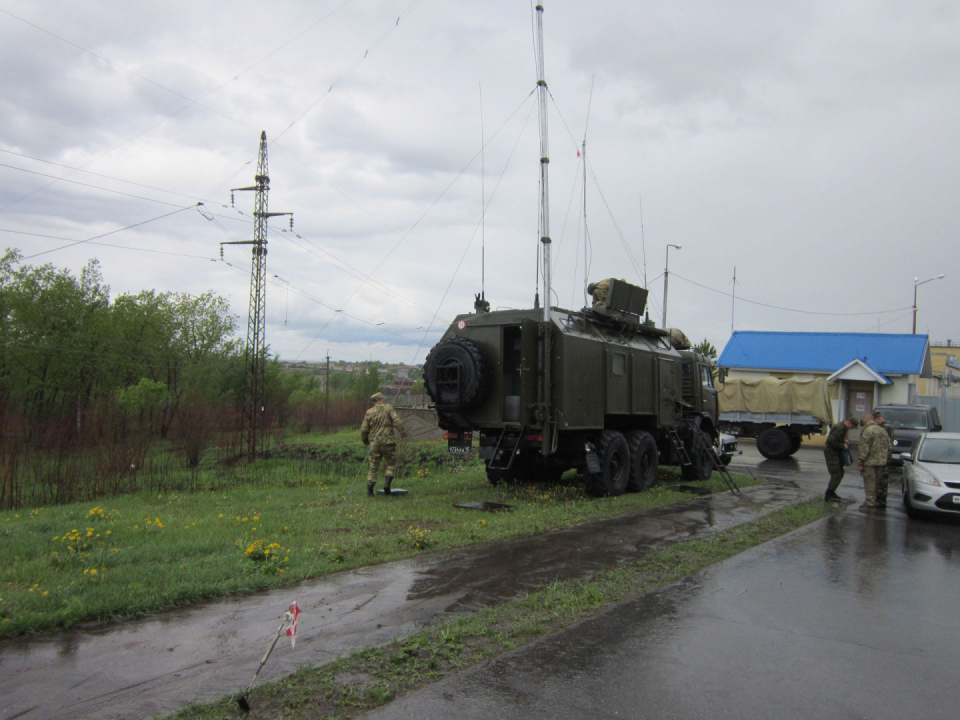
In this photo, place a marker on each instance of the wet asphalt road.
(853, 617)
(152, 666)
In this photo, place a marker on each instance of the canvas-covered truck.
(777, 412)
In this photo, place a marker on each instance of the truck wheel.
(643, 461)
(502, 477)
(614, 466)
(473, 368)
(795, 442)
(701, 464)
(773, 443)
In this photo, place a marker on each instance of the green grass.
(375, 676)
(140, 553)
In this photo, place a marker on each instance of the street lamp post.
(917, 283)
(666, 281)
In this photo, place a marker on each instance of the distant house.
(945, 361)
(862, 369)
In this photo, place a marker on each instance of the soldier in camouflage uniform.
(377, 431)
(887, 469)
(872, 455)
(600, 291)
(832, 452)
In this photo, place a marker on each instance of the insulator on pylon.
(231, 198)
(291, 222)
(221, 252)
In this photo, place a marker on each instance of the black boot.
(386, 484)
(370, 489)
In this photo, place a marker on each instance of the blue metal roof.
(824, 352)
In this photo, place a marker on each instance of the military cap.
(591, 287)
(853, 421)
(376, 397)
(877, 413)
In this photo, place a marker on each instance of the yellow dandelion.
(256, 518)
(46, 592)
(220, 515)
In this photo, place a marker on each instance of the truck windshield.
(940, 450)
(906, 418)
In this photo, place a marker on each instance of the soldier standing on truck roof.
(872, 454)
(833, 452)
(885, 473)
(377, 428)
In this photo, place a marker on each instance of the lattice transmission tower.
(254, 379)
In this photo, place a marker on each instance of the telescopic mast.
(544, 165)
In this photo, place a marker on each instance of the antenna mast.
(254, 379)
(586, 235)
(544, 165)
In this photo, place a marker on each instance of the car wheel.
(911, 509)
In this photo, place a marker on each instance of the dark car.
(909, 422)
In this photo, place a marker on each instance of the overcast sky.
(812, 145)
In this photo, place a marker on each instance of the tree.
(706, 349)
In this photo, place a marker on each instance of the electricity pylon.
(254, 379)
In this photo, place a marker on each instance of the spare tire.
(461, 359)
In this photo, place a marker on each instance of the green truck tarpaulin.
(772, 395)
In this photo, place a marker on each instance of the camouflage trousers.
(386, 452)
(835, 468)
(873, 484)
(884, 483)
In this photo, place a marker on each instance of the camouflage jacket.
(379, 423)
(837, 439)
(889, 428)
(875, 446)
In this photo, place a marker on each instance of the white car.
(931, 475)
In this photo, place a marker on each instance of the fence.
(948, 407)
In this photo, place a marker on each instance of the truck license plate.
(459, 447)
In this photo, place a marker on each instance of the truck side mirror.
(721, 374)
(938, 428)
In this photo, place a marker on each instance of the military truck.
(599, 389)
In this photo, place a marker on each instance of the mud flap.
(593, 464)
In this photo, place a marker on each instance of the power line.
(109, 245)
(112, 232)
(794, 310)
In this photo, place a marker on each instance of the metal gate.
(948, 407)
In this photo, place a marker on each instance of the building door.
(859, 401)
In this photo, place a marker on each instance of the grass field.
(303, 513)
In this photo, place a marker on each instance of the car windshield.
(906, 418)
(940, 450)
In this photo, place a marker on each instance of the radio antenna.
(586, 234)
(544, 165)
(483, 206)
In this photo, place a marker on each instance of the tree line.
(98, 381)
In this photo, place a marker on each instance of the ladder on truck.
(706, 445)
(505, 449)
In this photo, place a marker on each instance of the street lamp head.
(678, 247)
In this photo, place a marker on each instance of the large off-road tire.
(773, 443)
(701, 464)
(614, 472)
(795, 442)
(644, 460)
(474, 367)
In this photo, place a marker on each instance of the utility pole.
(254, 379)
(733, 295)
(326, 399)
